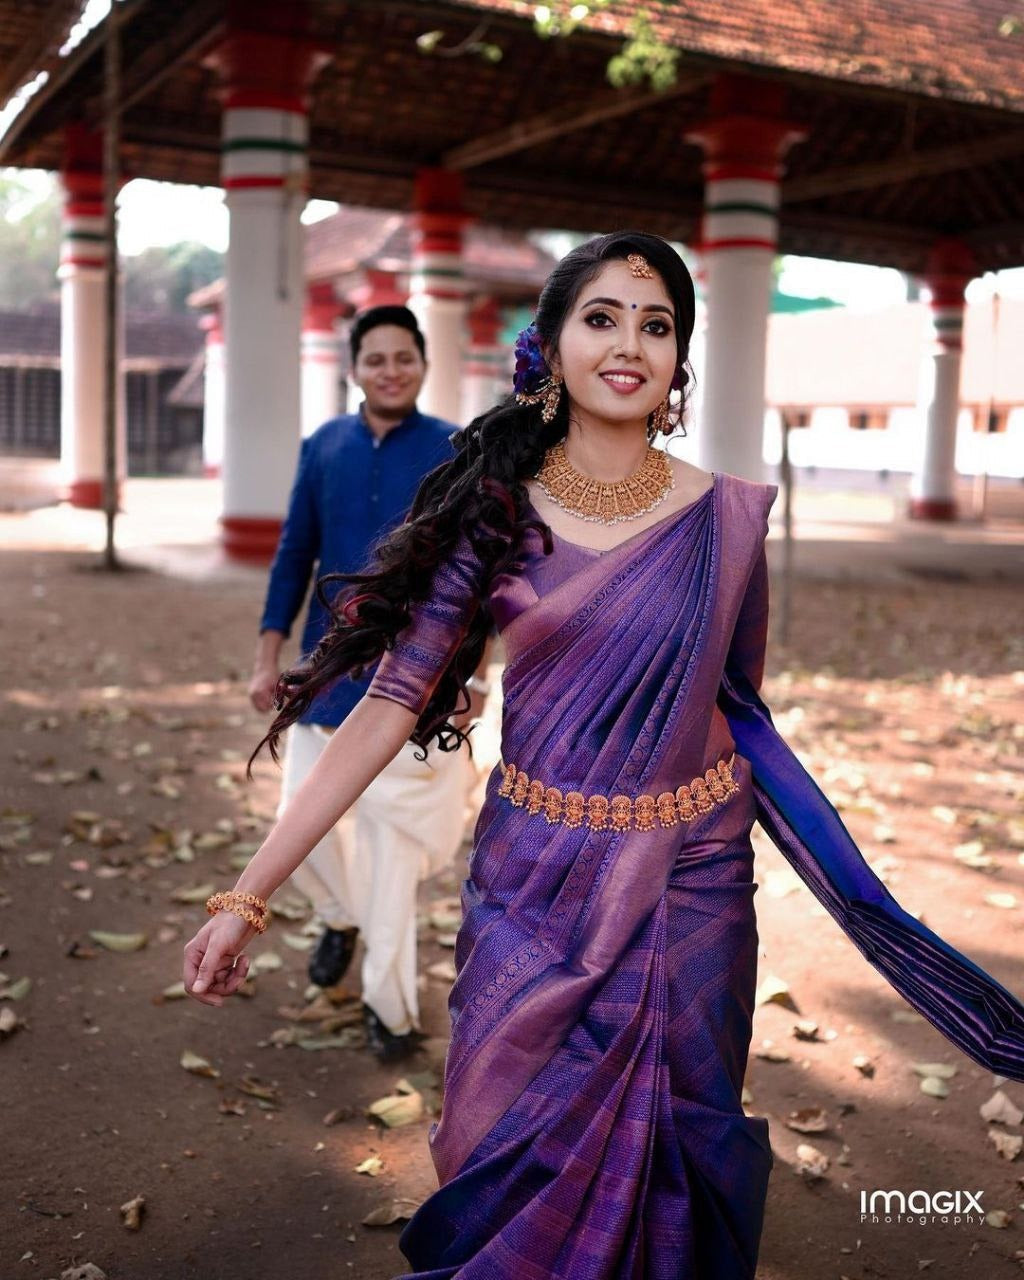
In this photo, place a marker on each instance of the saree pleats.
(629, 1156)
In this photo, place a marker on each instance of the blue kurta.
(351, 488)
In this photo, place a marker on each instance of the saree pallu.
(592, 1125)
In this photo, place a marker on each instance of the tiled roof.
(354, 238)
(945, 48)
(340, 246)
(173, 339)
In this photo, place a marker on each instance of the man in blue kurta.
(356, 479)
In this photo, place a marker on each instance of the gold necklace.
(606, 503)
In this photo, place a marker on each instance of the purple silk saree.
(592, 1127)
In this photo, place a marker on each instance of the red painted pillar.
(321, 357)
(486, 376)
(213, 392)
(933, 484)
(745, 137)
(83, 324)
(265, 63)
(437, 287)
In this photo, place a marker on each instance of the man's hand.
(262, 685)
(266, 669)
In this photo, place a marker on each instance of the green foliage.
(642, 58)
(161, 278)
(29, 242)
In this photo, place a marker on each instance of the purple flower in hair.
(531, 367)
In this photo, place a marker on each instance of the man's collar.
(410, 420)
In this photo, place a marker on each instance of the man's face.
(389, 369)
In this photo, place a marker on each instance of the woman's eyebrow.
(614, 302)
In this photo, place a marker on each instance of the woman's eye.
(662, 327)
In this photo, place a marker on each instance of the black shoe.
(331, 956)
(385, 1045)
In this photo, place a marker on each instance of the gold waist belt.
(619, 812)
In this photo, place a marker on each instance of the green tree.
(161, 278)
(29, 241)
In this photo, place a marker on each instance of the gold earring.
(551, 398)
(659, 418)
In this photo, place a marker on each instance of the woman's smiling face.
(617, 349)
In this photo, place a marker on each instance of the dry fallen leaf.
(197, 1065)
(1007, 1144)
(944, 1070)
(118, 941)
(774, 990)
(1000, 1108)
(390, 1211)
(371, 1166)
(9, 1022)
(397, 1109)
(131, 1212)
(810, 1162)
(193, 893)
(808, 1120)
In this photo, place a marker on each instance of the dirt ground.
(124, 731)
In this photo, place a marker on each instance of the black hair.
(372, 317)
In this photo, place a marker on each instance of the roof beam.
(914, 164)
(202, 24)
(563, 120)
(65, 71)
(54, 26)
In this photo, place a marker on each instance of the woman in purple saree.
(592, 1126)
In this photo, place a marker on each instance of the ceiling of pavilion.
(917, 131)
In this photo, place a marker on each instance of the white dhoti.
(406, 826)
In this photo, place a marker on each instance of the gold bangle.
(230, 900)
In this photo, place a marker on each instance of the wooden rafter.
(902, 168)
(53, 24)
(564, 119)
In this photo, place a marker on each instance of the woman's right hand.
(262, 686)
(214, 966)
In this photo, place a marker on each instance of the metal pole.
(111, 184)
(786, 476)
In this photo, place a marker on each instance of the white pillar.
(486, 376)
(213, 394)
(264, 171)
(83, 326)
(932, 490)
(320, 358)
(437, 288)
(744, 139)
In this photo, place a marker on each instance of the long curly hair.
(479, 493)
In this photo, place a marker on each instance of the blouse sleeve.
(750, 638)
(411, 670)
